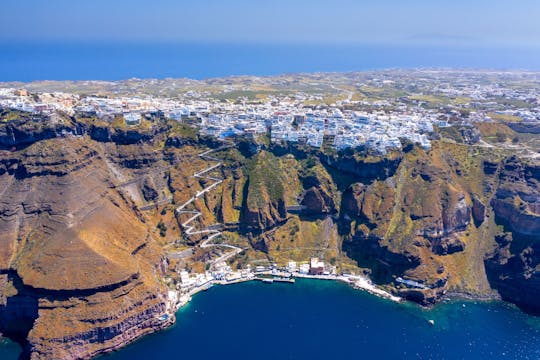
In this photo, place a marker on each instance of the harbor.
(225, 276)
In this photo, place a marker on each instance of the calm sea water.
(113, 61)
(316, 319)
(9, 350)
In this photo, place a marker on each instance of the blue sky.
(419, 22)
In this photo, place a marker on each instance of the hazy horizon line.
(463, 69)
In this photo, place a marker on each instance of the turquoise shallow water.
(9, 350)
(316, 319)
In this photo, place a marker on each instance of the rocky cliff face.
(364, 168)
(514, 265)
(79, 269)
(430, 217)
(417, 222)
(263, 206)
(366, 213)
(121, 136)
(27, 129)
(320, 194)
(76, 251)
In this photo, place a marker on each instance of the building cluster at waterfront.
(189, 283)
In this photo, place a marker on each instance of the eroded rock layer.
(80, 270)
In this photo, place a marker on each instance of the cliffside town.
(120, 200)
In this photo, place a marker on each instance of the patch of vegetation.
(496, 132)
(249, 95)
(162, 228)
(7, 115)
(501, 137)
(504, 117)
(515, 103)
(452, 133)
(294, 229)
(310, 162)
(183, 130)
(265, 179)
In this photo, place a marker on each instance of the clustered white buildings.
(352, 129)
(48, 103)
(287, 120)
(221, 272)
(325, 126)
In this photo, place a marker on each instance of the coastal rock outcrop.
(417, 224)
(514, 265)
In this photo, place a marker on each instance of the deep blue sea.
(27, 61)
(327, 320)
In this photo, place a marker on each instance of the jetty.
(356, 281)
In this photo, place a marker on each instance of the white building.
(304, 269)
(291, 266)
(132, 118)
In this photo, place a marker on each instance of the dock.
(356, 281)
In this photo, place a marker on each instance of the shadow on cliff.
(511, 270)
(18, 314)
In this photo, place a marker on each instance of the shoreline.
(456, 295)
(355, 281)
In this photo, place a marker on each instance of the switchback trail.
(213, 231)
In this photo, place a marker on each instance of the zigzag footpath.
(212, 231)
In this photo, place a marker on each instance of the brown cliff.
(74, 253)
(418, 223)
(264, 203)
